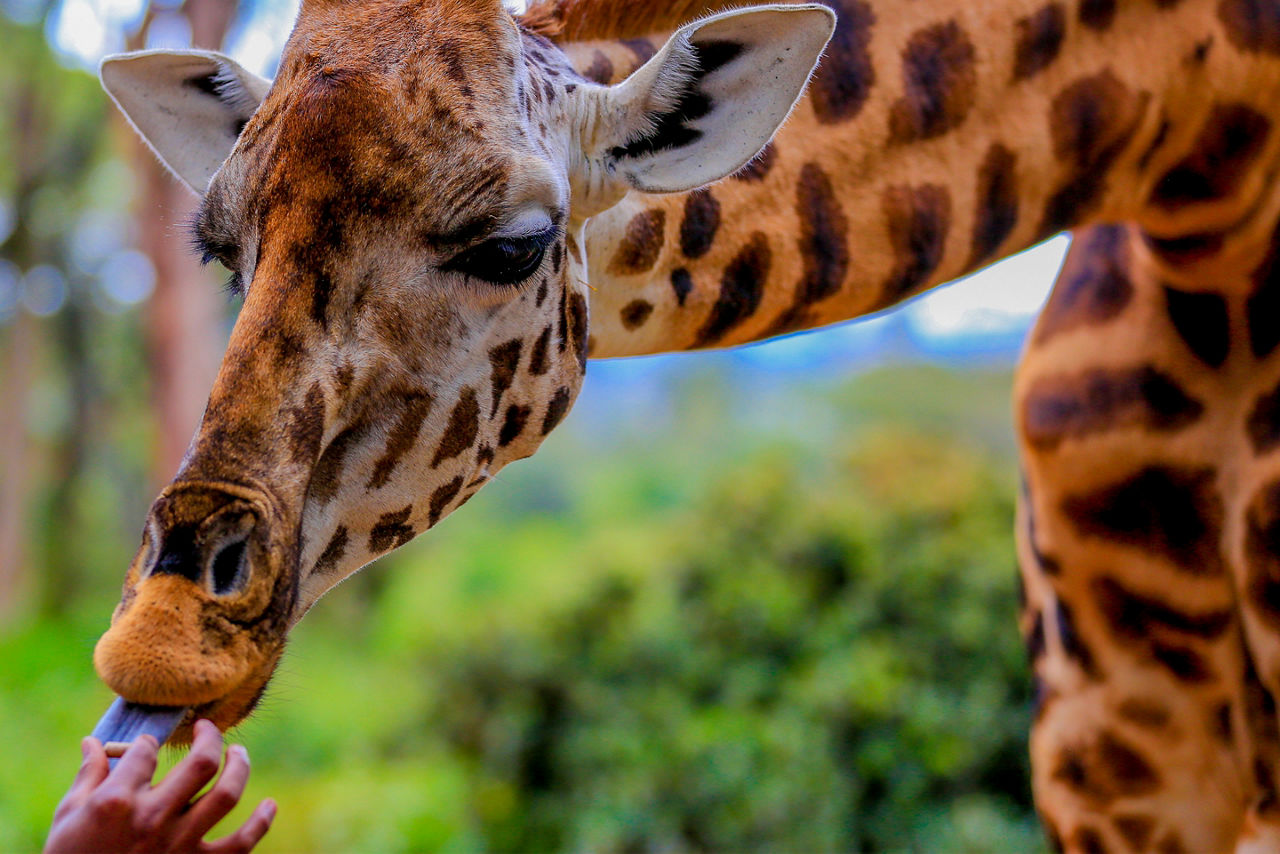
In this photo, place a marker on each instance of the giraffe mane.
(589, 20)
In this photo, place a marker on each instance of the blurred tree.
(183, 329)
(53, 134)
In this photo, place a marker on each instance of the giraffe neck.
(937, 139)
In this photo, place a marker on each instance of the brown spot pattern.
(600, 70)
(1169, 511)
(504, 360)
(326, 477)
(1262, 554)
(391, 531)
(538, 363)
(1201, 320)
(1097, 14)
(414, 408)
(940, 82)
(1094, 286)
(1135, 830)
(556, 410)
(513, 424)
(844, 79)
(681, 285)
(918, 219)
(441, 498)
(1222, 155)
(641, 243)
(635, 313)
(1263, 306)
(333, 552)
(1252, 25)
(1105, 400)
(1263, 424)
(1147, 623)
(997, 204)
(1104, 769)
(577, 316)
(1039, 38)
(1091, 121)
(823, 245)
(701, 220)
(741, 288)
(464, 423)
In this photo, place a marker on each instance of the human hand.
(118, 810)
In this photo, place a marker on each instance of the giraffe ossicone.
(403, 209)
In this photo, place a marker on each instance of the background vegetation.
(737, 611)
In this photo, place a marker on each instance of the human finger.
(214, 804)
(93, 770)
(138, 765)
(188, 777)
(248, 835)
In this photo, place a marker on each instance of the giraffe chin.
(169, 646)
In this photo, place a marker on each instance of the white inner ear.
(189, 106)
(714, 95)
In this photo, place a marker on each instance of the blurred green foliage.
(708, 631)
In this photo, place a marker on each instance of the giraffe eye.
(504, 260)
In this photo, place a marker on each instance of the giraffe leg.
(1146, 726)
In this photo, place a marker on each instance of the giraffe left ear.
(715, 94)
(189, 105)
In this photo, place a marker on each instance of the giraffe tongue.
(125, 721)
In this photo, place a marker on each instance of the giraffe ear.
(189, 105)
(715, 94)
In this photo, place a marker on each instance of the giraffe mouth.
(125, 722)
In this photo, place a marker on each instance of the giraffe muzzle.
(204, 613)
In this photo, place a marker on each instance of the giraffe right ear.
(189, 105)
(710, 99)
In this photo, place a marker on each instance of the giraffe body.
(933, 139)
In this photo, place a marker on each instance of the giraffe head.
(403, 212)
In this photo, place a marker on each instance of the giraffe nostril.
(228, 569)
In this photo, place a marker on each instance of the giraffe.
(433, 196)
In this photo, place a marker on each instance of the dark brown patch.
(513, 424)
(577, 316)
(1088, 840)
(641, 244)
(681, 285)
(997, 205)
(1039, 40)
(1102, 400)
(1091, 121)
(1104, 769)
(1264, 421)
(1263, 305)
(1169, 511)
(1171, 843)
(391, 531)
(918, 219)
(304, 426)
(556, 409)
(1222, 155)
(538, 363)
(759, 166)
(326, 477)
(940, 82)
(1201, 321)
(823, 244)
(414, 408)
(1097, 14)
(1221, 725)
(741, 288)
(1094, 285)
(441, 498)
(635, 313)
(504, 360)
(701, 220)
(1163, 634)
(1252, 25)
(641, 47)
(1135, 829)
(1262, 554)
(600, 70)
(333, 552)
(460, 434)
(1185, 250)
(845, 77)
(1144, 712)
(1073, 645)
